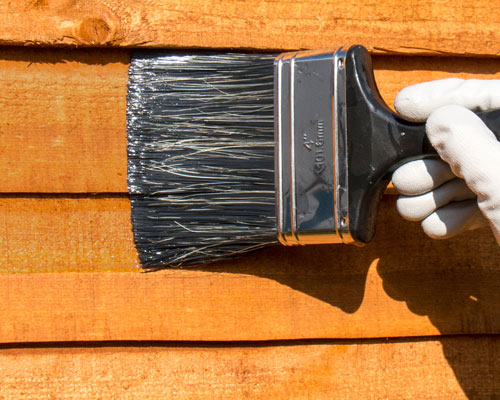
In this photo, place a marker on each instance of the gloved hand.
(460, 191)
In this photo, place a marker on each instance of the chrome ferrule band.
(311, 148)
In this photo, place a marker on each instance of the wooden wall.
(404, 317)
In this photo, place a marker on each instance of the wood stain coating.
(62, 131)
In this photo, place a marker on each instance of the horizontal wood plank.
(467, 27)
(62, 121)
(62, 113)
(402, 284)
(448, 368)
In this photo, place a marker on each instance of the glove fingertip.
(409, 105)
(434, 227)
(453, 219)
(420, 176)
(415, 208)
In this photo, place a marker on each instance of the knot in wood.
(94, 31)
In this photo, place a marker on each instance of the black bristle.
(200, 156)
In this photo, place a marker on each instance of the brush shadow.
(322, 272)
(474, 361)
(456, 284)
(334, 274)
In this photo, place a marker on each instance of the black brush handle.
(378, 142)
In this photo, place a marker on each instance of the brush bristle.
(200, 156)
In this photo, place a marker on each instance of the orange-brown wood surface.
(467, 27)
(445, 368)
(62, 121)
(402, 284)
(66, 233)
(70, 281)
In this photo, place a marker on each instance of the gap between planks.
(439, 368)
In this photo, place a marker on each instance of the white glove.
(432, 191)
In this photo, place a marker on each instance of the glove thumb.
(473, 153)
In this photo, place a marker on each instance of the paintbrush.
(228, 153)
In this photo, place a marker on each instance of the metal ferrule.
(312, 201)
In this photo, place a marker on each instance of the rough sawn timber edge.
(469, 27)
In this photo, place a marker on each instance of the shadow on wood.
(455, 283)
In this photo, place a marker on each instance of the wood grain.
(402, 284)
(66, 233)
(62, 113)
(62, 121)
(447, 368)
(468, 27)
(69, 270)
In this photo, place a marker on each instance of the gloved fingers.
(416, 208)
(417, 102)
(453, 219)
(473, 153)
(421, 176)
